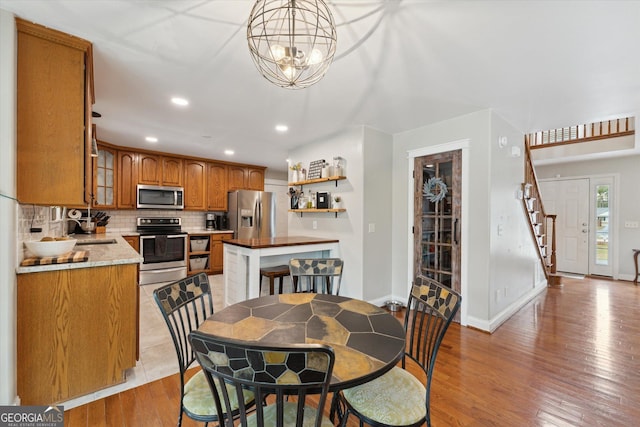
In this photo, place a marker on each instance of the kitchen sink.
(96, 242)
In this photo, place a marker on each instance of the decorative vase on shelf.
(294, 176)
(337, 203)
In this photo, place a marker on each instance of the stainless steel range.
(163, 246)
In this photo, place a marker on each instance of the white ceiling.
(400, 64)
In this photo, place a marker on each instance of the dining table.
(366, 339)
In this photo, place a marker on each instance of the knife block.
(101, 229)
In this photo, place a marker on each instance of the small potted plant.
(337, 202)
(296, 169)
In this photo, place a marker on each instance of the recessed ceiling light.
(229, 152)
(282, 128)
(151, 139)
(180, 101)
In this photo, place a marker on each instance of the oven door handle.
(164, 270)
(172, 236)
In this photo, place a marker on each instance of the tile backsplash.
(121, 222)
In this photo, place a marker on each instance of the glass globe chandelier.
(292, 42)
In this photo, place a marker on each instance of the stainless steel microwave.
(159, 197)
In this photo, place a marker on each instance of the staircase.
(541, 224)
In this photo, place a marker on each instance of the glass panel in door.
(437, 217)
(602, 225)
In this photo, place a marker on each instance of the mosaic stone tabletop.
(367, 341)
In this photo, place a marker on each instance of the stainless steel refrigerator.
(252, 214)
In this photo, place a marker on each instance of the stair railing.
(542, 225)
(582, 133)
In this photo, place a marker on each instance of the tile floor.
(157, 353)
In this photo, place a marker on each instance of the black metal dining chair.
(398, 398)
(282, 378)
(184, 305)
(321, 275)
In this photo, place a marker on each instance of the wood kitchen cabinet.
(217, 187)
(76, 331)
(217, 251)
(154, 169)
(127, 179)
(195, 194)
(104, 178)
(149, 169)
(246, 178)
(172, 171)
(134, 242)
(54, 92)
(255, 179)
(205, 181)
(236, 177)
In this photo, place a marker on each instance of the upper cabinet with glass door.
(104, 178)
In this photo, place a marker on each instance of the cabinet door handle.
(455, 231)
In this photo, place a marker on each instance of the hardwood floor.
(568, 358)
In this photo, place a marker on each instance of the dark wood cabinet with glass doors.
(437, 205)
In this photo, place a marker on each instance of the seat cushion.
(397, 398)
(290, 408)
(198, 399)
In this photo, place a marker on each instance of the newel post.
(553, 243)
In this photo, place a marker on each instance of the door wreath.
(435, 189)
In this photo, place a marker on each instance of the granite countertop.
(274, 242)
(100, 254)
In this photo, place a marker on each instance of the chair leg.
(271, 279)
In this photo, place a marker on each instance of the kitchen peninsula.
(77, 322)
(243, 259)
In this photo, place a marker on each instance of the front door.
(569, 200)
(437, 216)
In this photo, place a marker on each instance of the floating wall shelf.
(313, 210)
(318, 180)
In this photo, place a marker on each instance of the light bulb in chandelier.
(288, 71)
(277, 52)
(315, 57)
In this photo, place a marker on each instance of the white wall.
(377, 216)
(628, 168)
(515, 270)
(8, 209)
(348, 227)
(481, 274)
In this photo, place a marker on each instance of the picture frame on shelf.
(315, 169)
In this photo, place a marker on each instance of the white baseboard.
(490, 325)
(627, 277)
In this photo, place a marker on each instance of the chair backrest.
(276, 372)
(430, 309)
(322, 275)
(184, 305)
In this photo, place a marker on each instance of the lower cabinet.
(76, 331)
(205, 252)
(134, 241)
